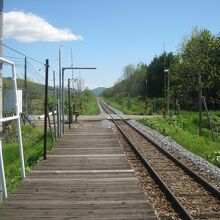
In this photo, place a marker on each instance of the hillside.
(33, 87)
(35, 94)
(97, 91)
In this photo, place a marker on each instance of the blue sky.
(115, 32)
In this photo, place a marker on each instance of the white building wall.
(9, 100)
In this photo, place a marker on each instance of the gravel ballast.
(170, 145)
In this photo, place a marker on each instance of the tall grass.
(184, 130)
(33, 152)
(90, 105)
(137, 107)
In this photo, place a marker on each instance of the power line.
(18, 58)
(37, 76)
(21, 53)
(33, 68)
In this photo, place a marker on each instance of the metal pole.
(58, 114)
(54, 106)
(46, 109)
(63, 120)
(2, 183)
(25, 83)
(165, 78)
(59, 100)
(3, 189)
(69, 104)
(18, 123)
(49, 123)
(200, 106)
(17, 117)
(62, 95)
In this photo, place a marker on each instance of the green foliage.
(132, 83)
(214, 158)
(88, 102)
(33, 152)
(198, 54)
(156, 78)
(137, 106)
(184, 130)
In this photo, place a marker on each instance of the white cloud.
(27, 27)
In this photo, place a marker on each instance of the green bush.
(184, 130)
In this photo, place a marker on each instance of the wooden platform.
(86, 176)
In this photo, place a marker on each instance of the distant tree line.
(198, 54)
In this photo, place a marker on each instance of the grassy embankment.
(182, 129)
(33, 151)
(137, 107)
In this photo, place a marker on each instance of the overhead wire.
(35, 70)
(19, 59)
(11, 57)
(29, 57)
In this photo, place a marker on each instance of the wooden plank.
(86, 176)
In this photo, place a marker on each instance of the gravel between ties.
(209, 171)
(202, 165)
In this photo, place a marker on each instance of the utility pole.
(60, 94)
(54, 106)
(168, 91)
(70, 115)
(200, 106)
(146, 98)
(46, 109)
(165, 78)
(1, 97)
(58, 115)
(25, 84)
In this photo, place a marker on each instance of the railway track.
(191, 195)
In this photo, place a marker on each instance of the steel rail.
(163, 186)
(174, 200)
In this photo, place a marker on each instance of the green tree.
(156, 78)
(198, 54)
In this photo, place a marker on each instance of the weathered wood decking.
(86, 176)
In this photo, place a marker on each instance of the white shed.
(9, 100)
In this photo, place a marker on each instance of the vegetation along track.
(191, 195)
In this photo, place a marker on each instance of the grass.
(33, 152)
(184, 130)
(89, 104)
(91, 107)
(137, 107)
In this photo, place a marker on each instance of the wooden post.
(208, 117)
(200, 106)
